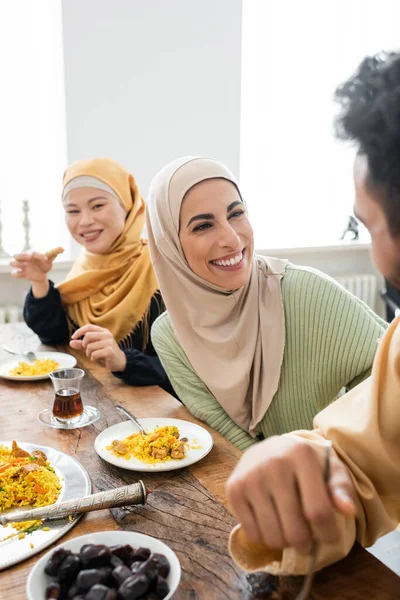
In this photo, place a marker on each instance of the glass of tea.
(68, 405)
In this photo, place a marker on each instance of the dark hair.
(370, 116)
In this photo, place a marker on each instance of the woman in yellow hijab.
(109, 299)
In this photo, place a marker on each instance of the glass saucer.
(90, 415)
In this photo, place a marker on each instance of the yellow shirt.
(364, 427)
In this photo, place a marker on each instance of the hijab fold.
(234, 340)
(113, 289)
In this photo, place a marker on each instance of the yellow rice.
(17, 489)
(140, 446)
(41, 366)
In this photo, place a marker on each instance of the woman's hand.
(34, 267)
(99, 345)
(278, 493)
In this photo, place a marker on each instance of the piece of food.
(74, 580)
(53, 564)
(160, 452)
(52, 254)
(161, 587)
(53, 591)
(120, 447)
(93, 556)
(121, 573)
(162, 564)
(101, 592)
(40, 457)
(161, 445)
(30, 468)
(41, 366)
(134, 587)
(123, 552)
(87, 578)
(18, 452)
(69, 569)
(178, 450)
(135, 566)
(141, 554)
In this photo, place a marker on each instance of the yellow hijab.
(113, 289)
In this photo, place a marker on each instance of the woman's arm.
(189, 387)
(331, 335)
(46, 316)
(144, 369)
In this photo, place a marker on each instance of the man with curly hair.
(277, 490)
(370, 116)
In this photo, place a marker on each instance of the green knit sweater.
(331, 339)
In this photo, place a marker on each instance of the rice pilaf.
(41, 366)
(161, 445)
(26, 480)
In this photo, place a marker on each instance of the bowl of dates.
(109, 565)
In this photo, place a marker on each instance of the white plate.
(196, 435)
(38, 580)
(65, 361)
(75, 484)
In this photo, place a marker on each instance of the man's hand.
(99, 345)
(278, 493)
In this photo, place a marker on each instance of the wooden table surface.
(187, 509)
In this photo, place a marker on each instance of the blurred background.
(248, 82)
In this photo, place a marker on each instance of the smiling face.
(385, 249)
(216, 235)
(94, 218)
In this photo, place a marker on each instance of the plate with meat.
(169, 444)
(32, 476)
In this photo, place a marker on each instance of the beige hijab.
(234, 340)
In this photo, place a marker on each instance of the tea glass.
(68, 405)
(68, 410)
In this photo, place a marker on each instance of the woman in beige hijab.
(252, 345)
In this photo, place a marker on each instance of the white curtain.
(32, 122)
(296, 177)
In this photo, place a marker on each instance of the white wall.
(150, 80)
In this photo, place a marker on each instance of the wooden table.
(187, 509)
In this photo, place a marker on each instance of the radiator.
(364, 287)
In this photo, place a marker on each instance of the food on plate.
(41, 366)
(52, 254)
(26, 479)
(160, 445)
(100, 572)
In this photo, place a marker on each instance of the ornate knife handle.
(135, 493)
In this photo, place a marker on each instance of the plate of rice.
(33, 476)
(17, 368)
(169, 444)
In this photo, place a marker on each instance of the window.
(32, 122)
(296, 177)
